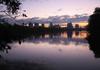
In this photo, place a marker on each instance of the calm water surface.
(61, 51)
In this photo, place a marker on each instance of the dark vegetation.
(94, 32)
(9, 31)
(12, 5)
(22, 66)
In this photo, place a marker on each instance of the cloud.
(60, 9)
(58, 19)
(67, 18)
(78, 18)
(55, 19)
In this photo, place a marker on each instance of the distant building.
(30, 24)
(42, 25)
(36, 24)
(56, 26)
(51, 24)
(77, 26)
(70, 26)
(23, 24)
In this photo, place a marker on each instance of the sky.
(47, 8)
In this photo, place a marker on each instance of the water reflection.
(78, 37)
(63, 50)
(64, 38)
(60, 38)
(69, 34)
(4, 47)
(94, 43)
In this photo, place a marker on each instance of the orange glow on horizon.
(81, 24)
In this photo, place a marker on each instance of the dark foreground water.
(60, 51)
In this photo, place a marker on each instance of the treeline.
(8, 31)
(94, 32)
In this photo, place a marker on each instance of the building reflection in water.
(60, 38)
(69, 34)
(78, 37)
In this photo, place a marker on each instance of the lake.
(60, 51)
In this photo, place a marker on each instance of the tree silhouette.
(94, 22)
(94, 32)
(12, 5)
